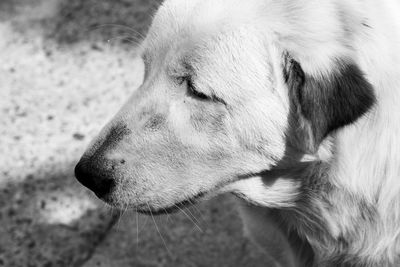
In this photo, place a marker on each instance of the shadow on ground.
(60, 81)
(206, 235)
(50, 221)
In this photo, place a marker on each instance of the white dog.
(291, 105)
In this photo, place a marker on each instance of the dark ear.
(329, 101)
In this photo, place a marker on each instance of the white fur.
(234, 49)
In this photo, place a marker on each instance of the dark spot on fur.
(218, 156)
(207, 121)
(147, 111)
(366, 25)
(110, 140)
(331, 102)
(342, 242)
(217, 121)
(155, 122)
(367, 211)
(198, 121)
(144, 114)
(115, 135)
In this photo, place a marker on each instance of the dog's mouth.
(146, 209)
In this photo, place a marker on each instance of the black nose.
(94, 177)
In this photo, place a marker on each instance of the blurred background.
(66, 66)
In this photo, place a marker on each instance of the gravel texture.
(66, 66)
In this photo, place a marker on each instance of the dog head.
(232, 90)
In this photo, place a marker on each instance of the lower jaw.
(146, 209)
(172, 208)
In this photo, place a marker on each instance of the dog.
(290, 105)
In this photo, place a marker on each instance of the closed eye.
(195, 93)
(192, 91)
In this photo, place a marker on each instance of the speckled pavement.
(66, 66)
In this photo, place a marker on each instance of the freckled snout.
(98, 170)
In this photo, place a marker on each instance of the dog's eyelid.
(194, 91)
(190, 76)
(191, 87)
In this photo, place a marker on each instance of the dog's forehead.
(197, 17)
(199, 36)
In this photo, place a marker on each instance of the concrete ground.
(66, 66)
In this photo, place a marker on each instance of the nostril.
(94, 179)
(105, 187)
(122, 161)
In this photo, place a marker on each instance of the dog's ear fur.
(325, 103)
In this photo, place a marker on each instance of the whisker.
(198, 211)
(168, 216)
(137, 229)
(131, 35)
(201, 230)
(107, 208)
(192, 215)
(144, 224)
(115, 25)
(118, 224)
(158, 230)
(127, 38)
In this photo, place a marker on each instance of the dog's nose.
(95, 177)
